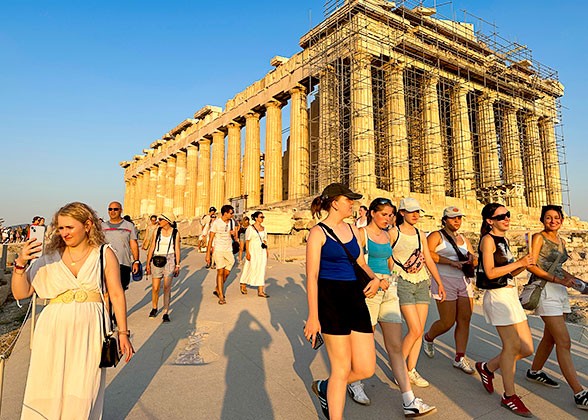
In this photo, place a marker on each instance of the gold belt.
(78, 296)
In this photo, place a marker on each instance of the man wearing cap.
(122, 236)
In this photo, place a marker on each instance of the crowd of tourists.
(378, 271)
(20, 233)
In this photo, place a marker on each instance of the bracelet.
(125, 332)
(136, 261)
(554, 279)
(20, 267)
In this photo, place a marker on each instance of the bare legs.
(451, 312)
(167, 281)
(221, 277)
(517, 344)
(393, 343)
(415, 316)
(556, 334)
(352, 357)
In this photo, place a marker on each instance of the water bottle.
(580, 286)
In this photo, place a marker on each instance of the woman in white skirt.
(256, 254)
(501, 305)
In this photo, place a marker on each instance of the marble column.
(203, 183)
(161, 181)
(233, 174)
(363, 158)
(127, 200)
(191, 181)
(299, 147)
(397, 133)
(489, 158)
(251, 162)
(535, 177)
(170, 175)
(180, 183)
(463, 157)
(145, 177)
(513, 164)
(152, 196)
(132, 198)
(272, 179)
(432, 150)
(217, 182)
(550, 161)
(329, 144)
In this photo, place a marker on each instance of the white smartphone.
(38, 234)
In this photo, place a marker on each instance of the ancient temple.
(388, 97)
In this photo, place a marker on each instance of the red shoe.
(486, 377)
(515, 405)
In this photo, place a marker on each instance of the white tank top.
(403, 249)
(161, 246)
(444, 249)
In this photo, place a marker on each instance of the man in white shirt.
(221, 234)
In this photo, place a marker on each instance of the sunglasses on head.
(501, 216)
(113, 208)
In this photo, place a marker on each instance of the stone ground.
(250, 360)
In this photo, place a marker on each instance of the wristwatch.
(20, 267)
(127, 333)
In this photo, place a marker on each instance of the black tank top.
(502, 254)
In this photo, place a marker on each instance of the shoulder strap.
(103, 288)
(460, 256)
(397, 237)
(331, 233)
(366, 240)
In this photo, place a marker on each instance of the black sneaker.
(153, 313)
(582, 400)
(316, 388)
(541, 378)
(166, 318)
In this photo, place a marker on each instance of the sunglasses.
(501, 216)
(384, 201)
(261, 217)
(113, 209)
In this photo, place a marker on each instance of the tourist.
(243, 225)
(205, 222)
(222, 232)
(65, 380)
(163, 262)
(501, 304)
(149, 231)
(458, 305)
(384, 307)
(256, 254)
(411, 260)
(336, 299)
(361, 221)
(549, 250)
(122, 236)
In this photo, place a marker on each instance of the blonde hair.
(82, 213)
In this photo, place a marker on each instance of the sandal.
(263, 295)
(222, 301)
(215, 293)
(243, 290)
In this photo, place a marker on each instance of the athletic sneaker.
(429, 348)
(357, 393)
(485, 376)
(316, 388)
(153, 313)
(582, 400)
(541, 378)
(464, 365)
(515, 405)
(417, 379)
(165, 318)
(417, 408)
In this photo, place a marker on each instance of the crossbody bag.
(467, 268)
(416, 260)
(110, 355)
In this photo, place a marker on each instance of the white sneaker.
(357, 392)
(417, 379)
(464, 365)
(418, 408)
(429, 348)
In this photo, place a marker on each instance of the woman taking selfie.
(336, 299)
(65, 380)
(496, 271)
(256, 254)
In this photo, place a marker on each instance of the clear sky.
(85, 85)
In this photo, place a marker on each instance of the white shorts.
(554, 301)
(502, 307)
(385, 306)
(223, 259)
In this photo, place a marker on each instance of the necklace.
(73, 262)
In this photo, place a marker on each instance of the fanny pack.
(160, 261)
(416, 261)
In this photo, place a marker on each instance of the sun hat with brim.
(168, 216)
(336, 189)
(409, 204)
(451, 212)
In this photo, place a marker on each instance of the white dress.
(254, 270)
(64, 380)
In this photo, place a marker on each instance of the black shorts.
(125, 276)
(342, 307)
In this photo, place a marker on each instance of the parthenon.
(389, 98)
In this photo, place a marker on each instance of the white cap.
(409, 204)
(452, 212)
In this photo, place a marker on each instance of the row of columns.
(189, 181)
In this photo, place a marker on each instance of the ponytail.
(319, 205)
(487, 212)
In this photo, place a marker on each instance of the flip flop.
(263, 295)
(222, 301)
(243, 290)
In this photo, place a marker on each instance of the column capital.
(252, 115)
(204, 141)
(461, 88)
(487, 96)
(431, 79)
(234, 124)
(546, 120)
(218, 132)
(298, 88)
(531, 118)
(274, 103)
(362, 56)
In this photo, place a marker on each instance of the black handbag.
(234, 243)
(110, 350)
(360, 273)
(467, 268)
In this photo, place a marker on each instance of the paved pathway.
(258, 366)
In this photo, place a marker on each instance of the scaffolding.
(405, 100)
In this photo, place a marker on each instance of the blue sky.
(85, 85)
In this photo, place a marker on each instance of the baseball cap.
(451, 212)
(211, 209)
(409, 204)
(335, 189)
(168, 216)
